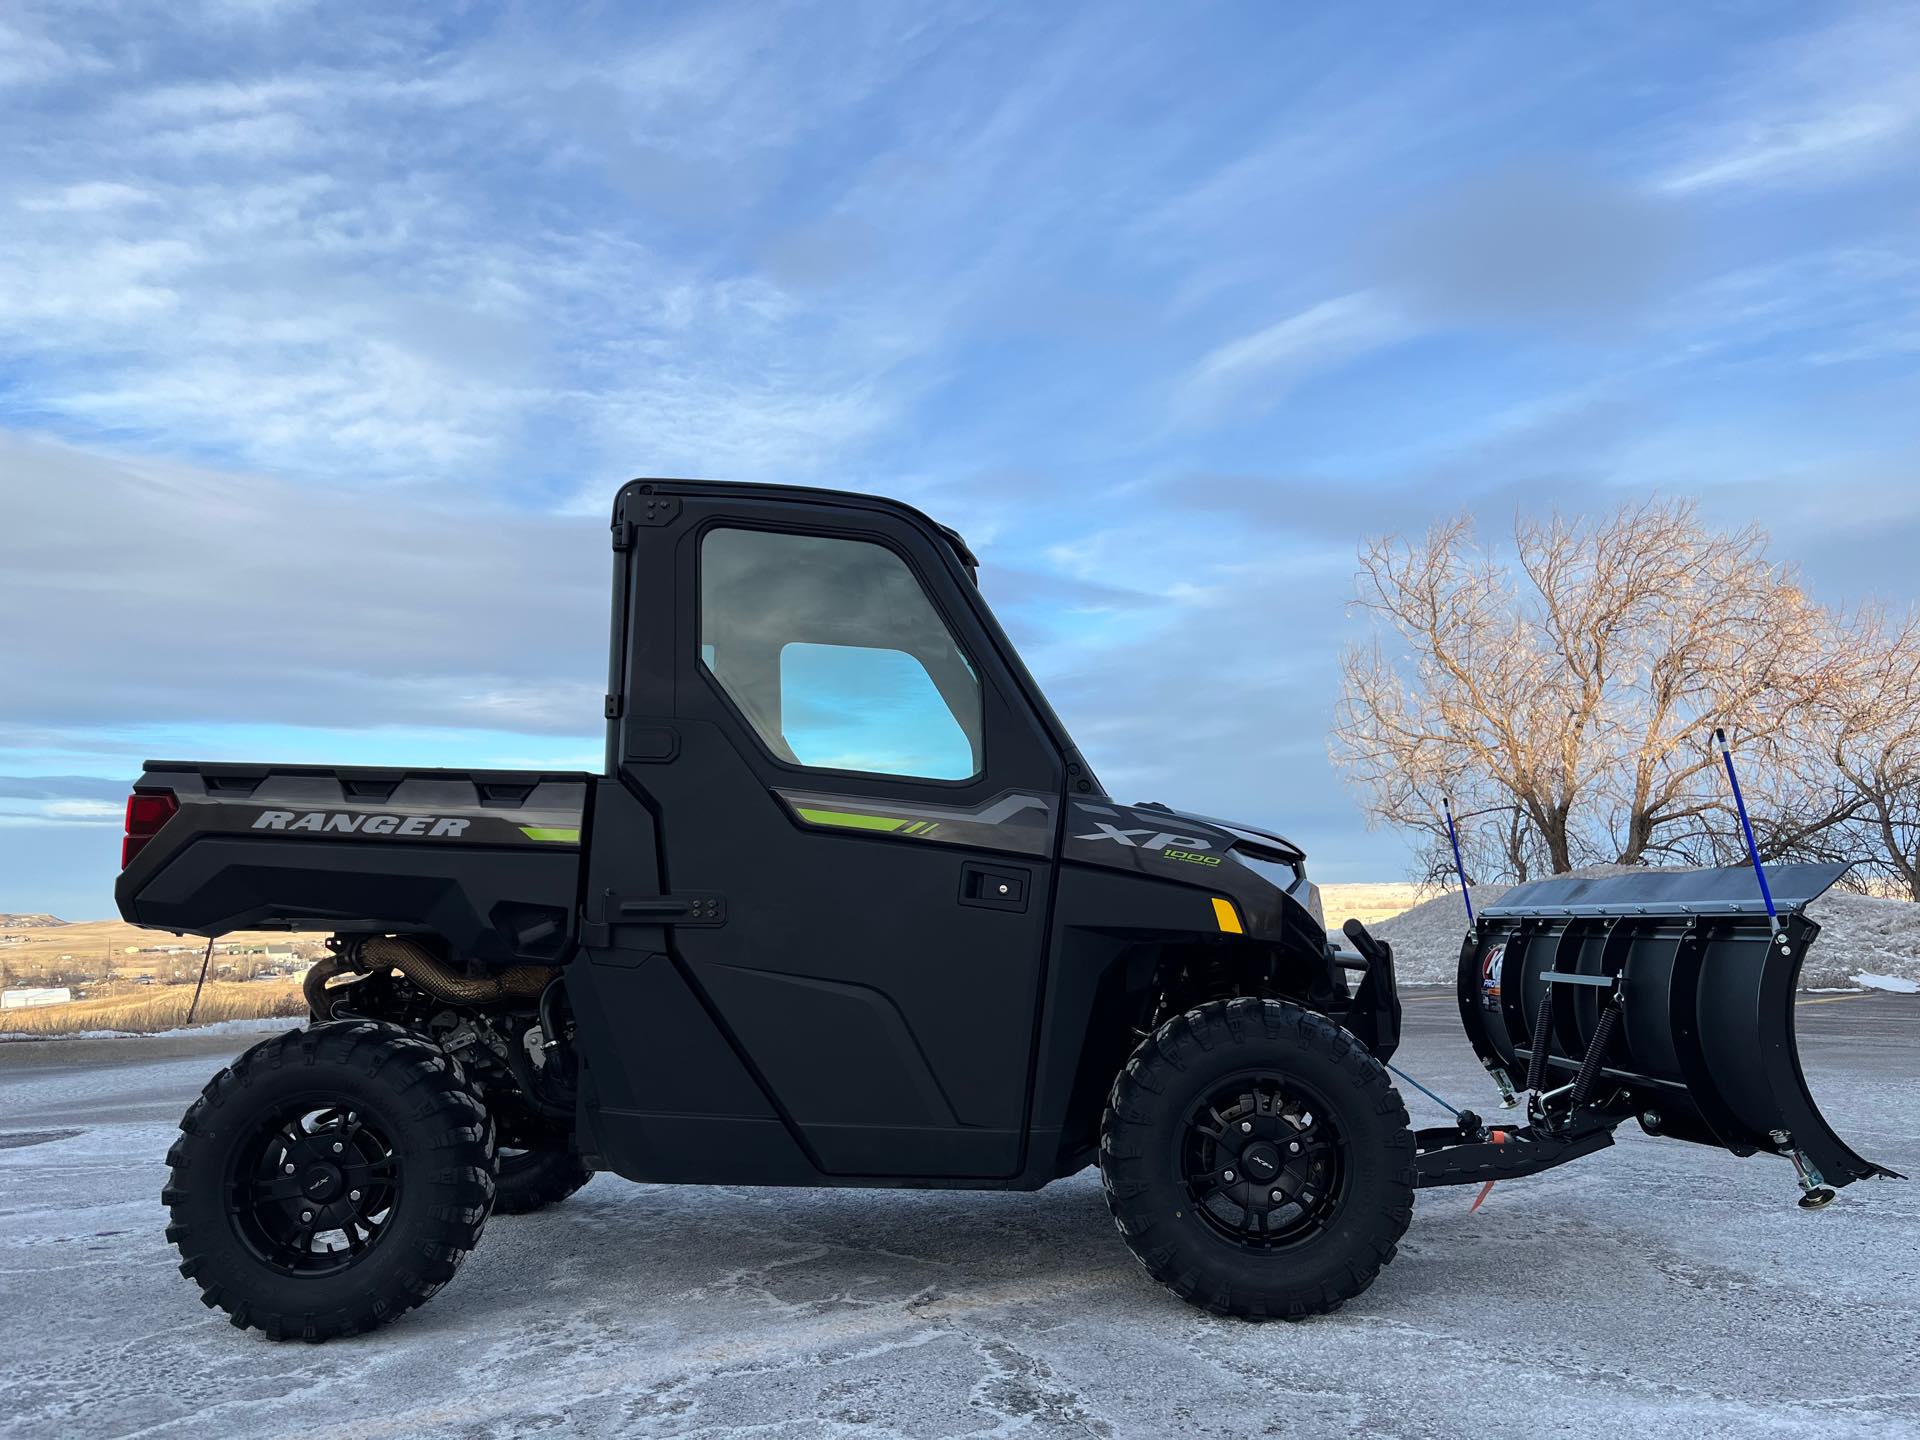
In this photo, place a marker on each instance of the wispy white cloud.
(1810, 108)
(83, 810)
(1846, 304)
(1256, 370)
(146, 593)
(33, 55)
(422, 265)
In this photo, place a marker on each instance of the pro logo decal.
(1490, 976)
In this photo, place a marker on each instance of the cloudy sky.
(326, 336)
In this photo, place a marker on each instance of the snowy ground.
(1656, 1289)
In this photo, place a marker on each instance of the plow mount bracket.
(1469, 1153)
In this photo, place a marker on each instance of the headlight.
(1275, 872)
(1286, 876)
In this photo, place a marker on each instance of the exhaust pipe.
(438, 977)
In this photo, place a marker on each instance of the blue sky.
(326, 335)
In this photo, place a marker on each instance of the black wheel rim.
(314, 1186)
(1263, 1160)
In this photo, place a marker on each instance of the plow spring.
(1664, 997)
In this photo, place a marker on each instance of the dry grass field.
(126, 978)
(112, 949)
(161, 1007)
(1370, 902)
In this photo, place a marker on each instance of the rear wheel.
(528, 1180)
(329, 1180)
(1257, 1160)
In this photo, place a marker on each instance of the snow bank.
(268, 1026)
(1864, 941)
(1887, 982)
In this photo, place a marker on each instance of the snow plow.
(1662, 997)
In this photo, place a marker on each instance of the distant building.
(24, 999)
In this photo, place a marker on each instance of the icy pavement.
(1655, 1289)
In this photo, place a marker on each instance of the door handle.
(995, 887)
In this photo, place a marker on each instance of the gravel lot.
(1656, 1289)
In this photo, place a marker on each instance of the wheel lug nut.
(1277, 1196)
(1246, 1124)
(289, 1169)
(306, 1215)
(338, 1147)
(353, 1195)
(1294, 1146)
(1228, 1175)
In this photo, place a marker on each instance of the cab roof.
(804, 495)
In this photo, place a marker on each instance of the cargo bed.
(487, 859)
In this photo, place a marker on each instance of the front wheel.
(329, 1180)
(1257, 1160)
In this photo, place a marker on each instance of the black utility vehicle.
(848, 907)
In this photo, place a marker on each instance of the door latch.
(994, 887)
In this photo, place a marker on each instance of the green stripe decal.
(848, 820)
(553, 835)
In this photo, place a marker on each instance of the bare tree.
(1866, 734)
(1577, 685)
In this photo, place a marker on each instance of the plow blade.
(1668, 996)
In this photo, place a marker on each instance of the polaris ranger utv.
(848, 907)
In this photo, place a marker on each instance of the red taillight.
(146, 813)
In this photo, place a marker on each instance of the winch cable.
(1423, 1090)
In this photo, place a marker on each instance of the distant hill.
(1369, 902)
(29, 922)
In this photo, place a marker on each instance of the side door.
(860, 785)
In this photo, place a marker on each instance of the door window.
(836, 656)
